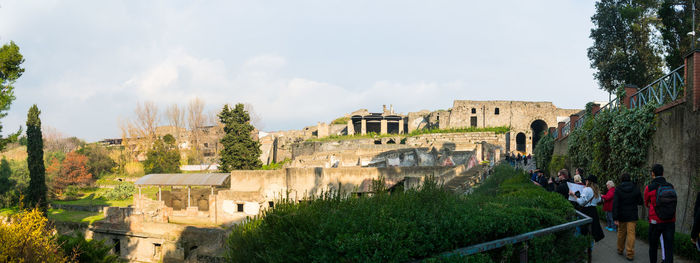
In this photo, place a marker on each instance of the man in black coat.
(625, 201)
(561, 187)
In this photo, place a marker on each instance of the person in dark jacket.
(624, 209)
(561, 187)
(695, 233)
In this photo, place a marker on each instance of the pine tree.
(36, 195)
(240, 151)
(5, 172)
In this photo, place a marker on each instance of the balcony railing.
(664, 90)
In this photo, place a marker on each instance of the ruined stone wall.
(676, 146)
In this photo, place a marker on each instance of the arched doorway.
(520, 142)
(538, 127)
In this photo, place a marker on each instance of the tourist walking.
(624, 211)
(661, 199)
(589, 199)
(607, 206)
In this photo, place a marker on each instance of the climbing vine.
(614, 142)
(543, 152)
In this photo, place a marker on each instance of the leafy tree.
(73, 171)
(36, 195)
(624, 49)
(5, 173)
(676, 21)
(99, 161)
(240, 151)
(164, 157)
(10, 70)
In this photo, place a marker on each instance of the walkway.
(606, 250)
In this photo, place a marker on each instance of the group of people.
(518, 159)
(621, 207)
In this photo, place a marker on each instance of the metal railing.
(566, 130)
(665, 89)
(522, 238)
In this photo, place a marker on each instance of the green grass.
(74, 216)
(275, 166)
(341, 120)
(93, 196)
(61, 215)
(372, 135)
(497, 130)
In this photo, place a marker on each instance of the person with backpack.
(661, 199)
(624, 209)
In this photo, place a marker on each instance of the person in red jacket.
(608, 205)
(657, 226)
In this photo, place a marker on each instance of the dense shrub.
(98, 160)
(29, 239)
(120, 192)
(613, 142)
(407, 225)
(81, 250)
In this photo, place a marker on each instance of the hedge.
(416, 224)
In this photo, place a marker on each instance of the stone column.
(401, 126)
(692, 79)
(560, 126)
(573, 118)
(188, 195)
(364, 126)
(160, 194)
(383, 127)
(351, 127)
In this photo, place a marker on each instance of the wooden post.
(188, 195)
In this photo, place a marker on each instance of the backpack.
(666, 200)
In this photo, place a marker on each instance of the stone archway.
(520, 140)
(538, 128)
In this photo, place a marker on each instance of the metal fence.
(566, 130)
(665, 89)
(521, 239)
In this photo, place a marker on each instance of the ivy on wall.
(543, 152)
(613, 143)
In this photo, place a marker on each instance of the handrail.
(566, 129)
(486, 246)
(668, 88)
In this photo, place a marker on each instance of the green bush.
(82, 250)
(404, 226)
(120, 192)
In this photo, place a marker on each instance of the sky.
(88, 63)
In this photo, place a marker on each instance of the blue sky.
(297, 62)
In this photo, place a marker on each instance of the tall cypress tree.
(240, 151)
(36, 195)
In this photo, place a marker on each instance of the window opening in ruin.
(391, 141)
(157, 250)
(473, 110)
(117, 247)
(239, 207)
(206, 144)
(377, 141)
(497, 111)
(271, 204)
(472, 121)
(520, 142)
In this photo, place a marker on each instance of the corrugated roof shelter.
(201, 179)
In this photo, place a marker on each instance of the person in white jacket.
(588, 199)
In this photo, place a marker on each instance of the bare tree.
(176, 118)
(147, 120)
(195, 122)
(255, 118)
